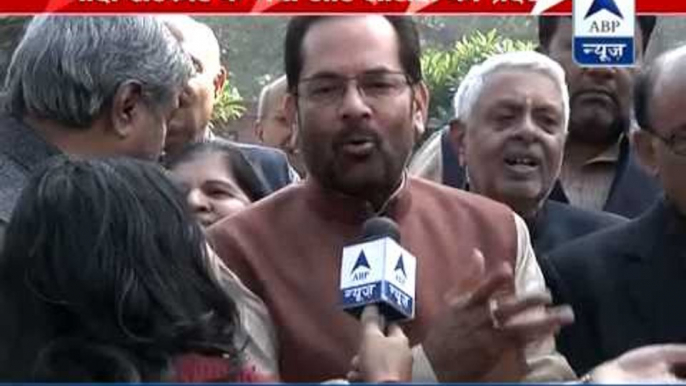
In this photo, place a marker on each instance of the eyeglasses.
(373, 87)
(676, 143)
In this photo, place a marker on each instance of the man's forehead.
(671, 81)
(516, 88)
(322, 48)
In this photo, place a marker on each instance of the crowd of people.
(138, 246)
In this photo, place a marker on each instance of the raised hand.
(490, 327)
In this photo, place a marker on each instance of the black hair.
(405, 28)
(107, 252)
(547, 26)
(74, 360)
(248, 178)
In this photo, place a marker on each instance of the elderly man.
(626, 283)
(76, 85)
(272, 126)
(356, 87)
(190, 122)
(599, 170)
(509, 133)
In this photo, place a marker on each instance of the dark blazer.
(555, 224)
(626, 285)
(271, 163)
(632, 191)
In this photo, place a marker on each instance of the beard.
(371, 177)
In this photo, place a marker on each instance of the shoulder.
(488, 224)
(596, 252)
(579, 216)
(426, 161)
(261, 215)
(263, 154)
(271, 163)
(456, 199)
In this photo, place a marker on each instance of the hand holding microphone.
(378, 281)
(381, 357)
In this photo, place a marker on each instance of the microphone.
(377, 270)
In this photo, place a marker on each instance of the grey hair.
(276, 86)
(472, 85)
(69, 68)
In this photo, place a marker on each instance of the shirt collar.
(609, 155)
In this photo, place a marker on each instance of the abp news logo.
(361, 269)
(604, 32)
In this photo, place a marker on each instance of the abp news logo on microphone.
(379, 272)
(604, 32)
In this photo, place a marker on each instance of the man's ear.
(258, 130)
(457, 137)
(421, 108)
(126, 106)
(219, 81)
(290, 109)
(646, 149)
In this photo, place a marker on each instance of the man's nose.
(526, 128)
(354, 104)
(600, 73)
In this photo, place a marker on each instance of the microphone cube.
(379, 272)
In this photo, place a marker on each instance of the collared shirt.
(589, 186)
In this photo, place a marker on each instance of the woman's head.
(107, 251)
(218, 180)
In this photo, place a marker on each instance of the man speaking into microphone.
(482, 314)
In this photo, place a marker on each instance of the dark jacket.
(632, 190)
(271, 163)
(557, 224)
(626, 286)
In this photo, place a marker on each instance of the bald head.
(666, 71)
(197, 39)
(272, 126)
(190, 121)
(271, 97)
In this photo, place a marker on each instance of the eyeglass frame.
(408, 82)
(669, 141)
